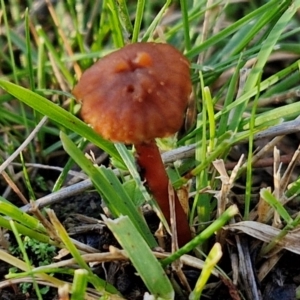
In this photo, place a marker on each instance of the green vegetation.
(245, 72)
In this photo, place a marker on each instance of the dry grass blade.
(246, 268)
(266, 233)
(227, 182)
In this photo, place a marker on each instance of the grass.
(245, 72)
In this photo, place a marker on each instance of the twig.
(265, 162)
(24, 144)
(60, 195)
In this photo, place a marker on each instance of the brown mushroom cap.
(137, 93)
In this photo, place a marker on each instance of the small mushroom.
(134, 95)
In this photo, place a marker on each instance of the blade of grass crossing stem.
(12, 260)
(125, 206)
(97, 282)
(110, 188)
(203, 236)
(262, 58)
(211, 260)
(59, 115)
(79, 284)
(141, 256)
(129, 162)
(25, 257)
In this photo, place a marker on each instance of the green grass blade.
(124, 16)
(222, 35)
(29, 52)
(212, 259)
(276, 204)
(115, 23)
(109, 186)
(155, 21)
(8, 209)
(131, 166)
(43, 238)
(79, 284)
(262, 58)
(61, 65)
(141, 257)
(203, 236)
(98, 283)
(25, 257)
(287, 112)
(11, 260)
(58, 114)
(138, 20)
(186, 24)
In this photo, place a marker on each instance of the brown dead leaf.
(266, 233)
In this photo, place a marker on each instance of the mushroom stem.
(153, 170)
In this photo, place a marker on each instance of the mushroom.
(134, 95)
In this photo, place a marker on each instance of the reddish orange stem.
(153, 170)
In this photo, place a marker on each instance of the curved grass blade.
(8, 209)
(110, 188)
(212, 259)
(141, 257)
(59, 115)
(97, 282)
